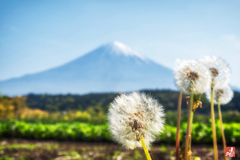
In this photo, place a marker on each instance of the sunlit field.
(83, 134)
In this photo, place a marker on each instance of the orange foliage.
(32, 113)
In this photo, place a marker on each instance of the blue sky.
(39, 35)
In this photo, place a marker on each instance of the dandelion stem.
(189, 127)
(222, 131)
(145, 148)
(190, 130)
(213, 128)
(178, 125)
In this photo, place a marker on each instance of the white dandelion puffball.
(222, 94)
(192, 76)
(132, 115)
(219, 70)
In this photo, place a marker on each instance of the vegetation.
(15, 108)
(202, 133)
(169, 99)
(92, 114)
(44, 150)
(89, 124)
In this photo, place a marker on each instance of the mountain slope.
(111, 67)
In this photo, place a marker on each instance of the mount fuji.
(112, 67)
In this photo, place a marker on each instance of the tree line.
(101, 101)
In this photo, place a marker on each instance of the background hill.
(167, 98)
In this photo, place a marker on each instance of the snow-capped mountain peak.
(113, 67)
(120, 48)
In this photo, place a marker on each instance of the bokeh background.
(63, 62)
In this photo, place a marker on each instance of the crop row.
(202, 133)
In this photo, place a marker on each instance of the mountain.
(113, 67)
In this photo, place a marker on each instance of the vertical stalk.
(221, 125)
(178, 125)
(188, 128)
(145, 148)
(213, 128)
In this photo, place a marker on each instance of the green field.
(77, 131)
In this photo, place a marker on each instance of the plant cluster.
(15, 108)
(58, 131)
(210, 75)
(202, 133)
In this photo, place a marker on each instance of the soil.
(19, 149)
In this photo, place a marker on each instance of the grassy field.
(17, 149)
(86, 132)
(83, 134)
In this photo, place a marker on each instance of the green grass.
(30, 147)
(6, 158)
(89, 132)
(163, 148)
(18, 149)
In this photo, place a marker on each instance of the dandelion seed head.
(132, 115)
(192, 76)
(220, 94)
(214, 72)
(219, 70)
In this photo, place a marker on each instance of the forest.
(167, 98)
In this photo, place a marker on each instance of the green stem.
(188, 128)
(213, 128)
(145, 148)
(222, 131)
(190, 140)
(178, 125)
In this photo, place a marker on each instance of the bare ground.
(18, 149)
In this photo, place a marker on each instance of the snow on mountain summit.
(120, 48)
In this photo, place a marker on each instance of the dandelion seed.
(223, 95)
(220, 95)
(134, 115)
(192, 76)
(219, 70)
(220, 77)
